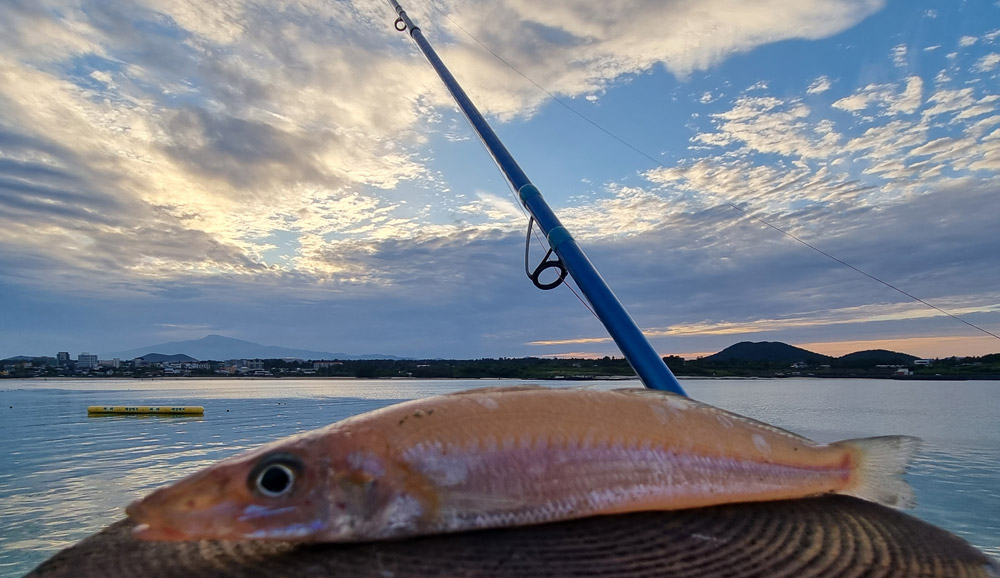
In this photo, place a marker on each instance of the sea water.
(64, 475)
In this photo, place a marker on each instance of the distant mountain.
(160, 358)
(770, 351)
(221, 348)
(872, 357)
(46, 359)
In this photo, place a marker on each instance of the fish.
(512, 456)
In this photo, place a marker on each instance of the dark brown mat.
(829, 536)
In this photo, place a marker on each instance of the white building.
(86, 361)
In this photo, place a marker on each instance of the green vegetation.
(763, 359)
(985, 367)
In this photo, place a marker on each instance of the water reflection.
(67, 475)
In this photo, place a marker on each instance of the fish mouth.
(221, 522)
(161, 533)
(169, 516)
(148, 526)
(212, 524)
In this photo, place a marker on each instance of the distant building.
(922, 362)
(62, 359)
(86, 361)
(112, 363)
(242, 366)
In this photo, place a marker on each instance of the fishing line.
(731, 204)
(564, 279)
(567, 281)
(546, 264)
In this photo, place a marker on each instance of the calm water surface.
(66, 475)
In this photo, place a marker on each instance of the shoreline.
(941, 377)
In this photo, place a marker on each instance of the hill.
(872, 357)
(221, 348)
(765, 351)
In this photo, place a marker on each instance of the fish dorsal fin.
(679, 400)
(662, 395)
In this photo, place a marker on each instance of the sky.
(294, 174)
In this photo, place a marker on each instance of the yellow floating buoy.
(148, 409)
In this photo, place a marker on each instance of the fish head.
(298, 490)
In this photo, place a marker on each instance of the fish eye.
(275, 475)
(275, 480)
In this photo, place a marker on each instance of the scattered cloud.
(876, 98)
(819, 86)
(240, 156)
(899, 55)
(987, 63)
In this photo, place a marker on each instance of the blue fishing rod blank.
(651, 369)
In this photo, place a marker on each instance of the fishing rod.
(570, 258)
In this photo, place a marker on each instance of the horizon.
(298, 174)
(687, 357)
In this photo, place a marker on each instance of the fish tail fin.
(878, 475)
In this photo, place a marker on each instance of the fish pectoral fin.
(879, 468)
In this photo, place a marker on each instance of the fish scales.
(501, 457)
(608, 457)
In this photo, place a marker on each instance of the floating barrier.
(147, 409)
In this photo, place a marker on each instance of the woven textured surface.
(828, 536)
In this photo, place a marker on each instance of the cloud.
(844, 187)
(987, 63)
(178, 117)
(899, 55)
(896, 145)
(769, 125)
(255, 163)
(883, 98)
(578, 48)
(743, 281)
(910, 99)
(819, 86)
